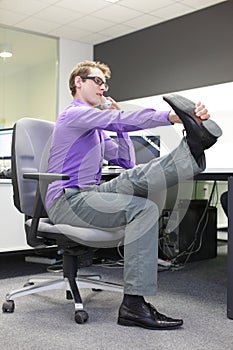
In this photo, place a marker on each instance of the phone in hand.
(105, 104)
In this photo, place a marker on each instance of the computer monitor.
(147, 147)
(5, 143)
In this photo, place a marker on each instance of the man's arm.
(121, 151)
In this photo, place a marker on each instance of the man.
(78, 148)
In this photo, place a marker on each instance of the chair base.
(71, 287)
(41, 285)
(71, 282)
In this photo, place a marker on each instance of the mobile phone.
(105, 104)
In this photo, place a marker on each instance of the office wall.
(218, 99)
(70, 53)
(191, 51)
(191, 54)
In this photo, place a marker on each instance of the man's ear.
(77, 81)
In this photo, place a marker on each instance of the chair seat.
(86, 236)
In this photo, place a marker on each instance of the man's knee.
(147, 210)
(152, 207)
(145, 204)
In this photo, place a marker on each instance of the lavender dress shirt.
(79, 143)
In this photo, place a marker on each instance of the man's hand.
(114, 105)
(201, 111)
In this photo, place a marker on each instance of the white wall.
(70, 53)
(218, 100)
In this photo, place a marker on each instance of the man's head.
(89, 77)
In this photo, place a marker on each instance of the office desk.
(13, 237)
(214, 175)
(111, 171)
(209, 175)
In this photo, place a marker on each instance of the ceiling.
(93, 21)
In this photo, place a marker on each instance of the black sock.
(133, 301)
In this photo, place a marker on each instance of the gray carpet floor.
(196, 293)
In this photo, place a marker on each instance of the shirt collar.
(78, 102)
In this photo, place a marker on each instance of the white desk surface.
(111, 169)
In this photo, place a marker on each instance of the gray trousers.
(129, 201)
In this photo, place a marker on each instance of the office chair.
(30, 151)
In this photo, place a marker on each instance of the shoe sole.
(129, 323)
(183, 105)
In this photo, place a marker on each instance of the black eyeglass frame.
(97, 80)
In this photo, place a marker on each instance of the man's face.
(90, 91)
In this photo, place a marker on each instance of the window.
(28, 79)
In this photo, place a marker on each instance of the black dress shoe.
(201, 135)
(146, 317)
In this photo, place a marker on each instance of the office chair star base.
(71, 284)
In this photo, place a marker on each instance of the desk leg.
(230, 250)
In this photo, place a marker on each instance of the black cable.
(190, 249)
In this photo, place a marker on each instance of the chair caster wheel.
(8, 306)
(81, 316)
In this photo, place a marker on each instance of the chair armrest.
(43, 179)
(47, 177)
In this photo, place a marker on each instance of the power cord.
(190, 250)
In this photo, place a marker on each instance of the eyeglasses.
(98, 81)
